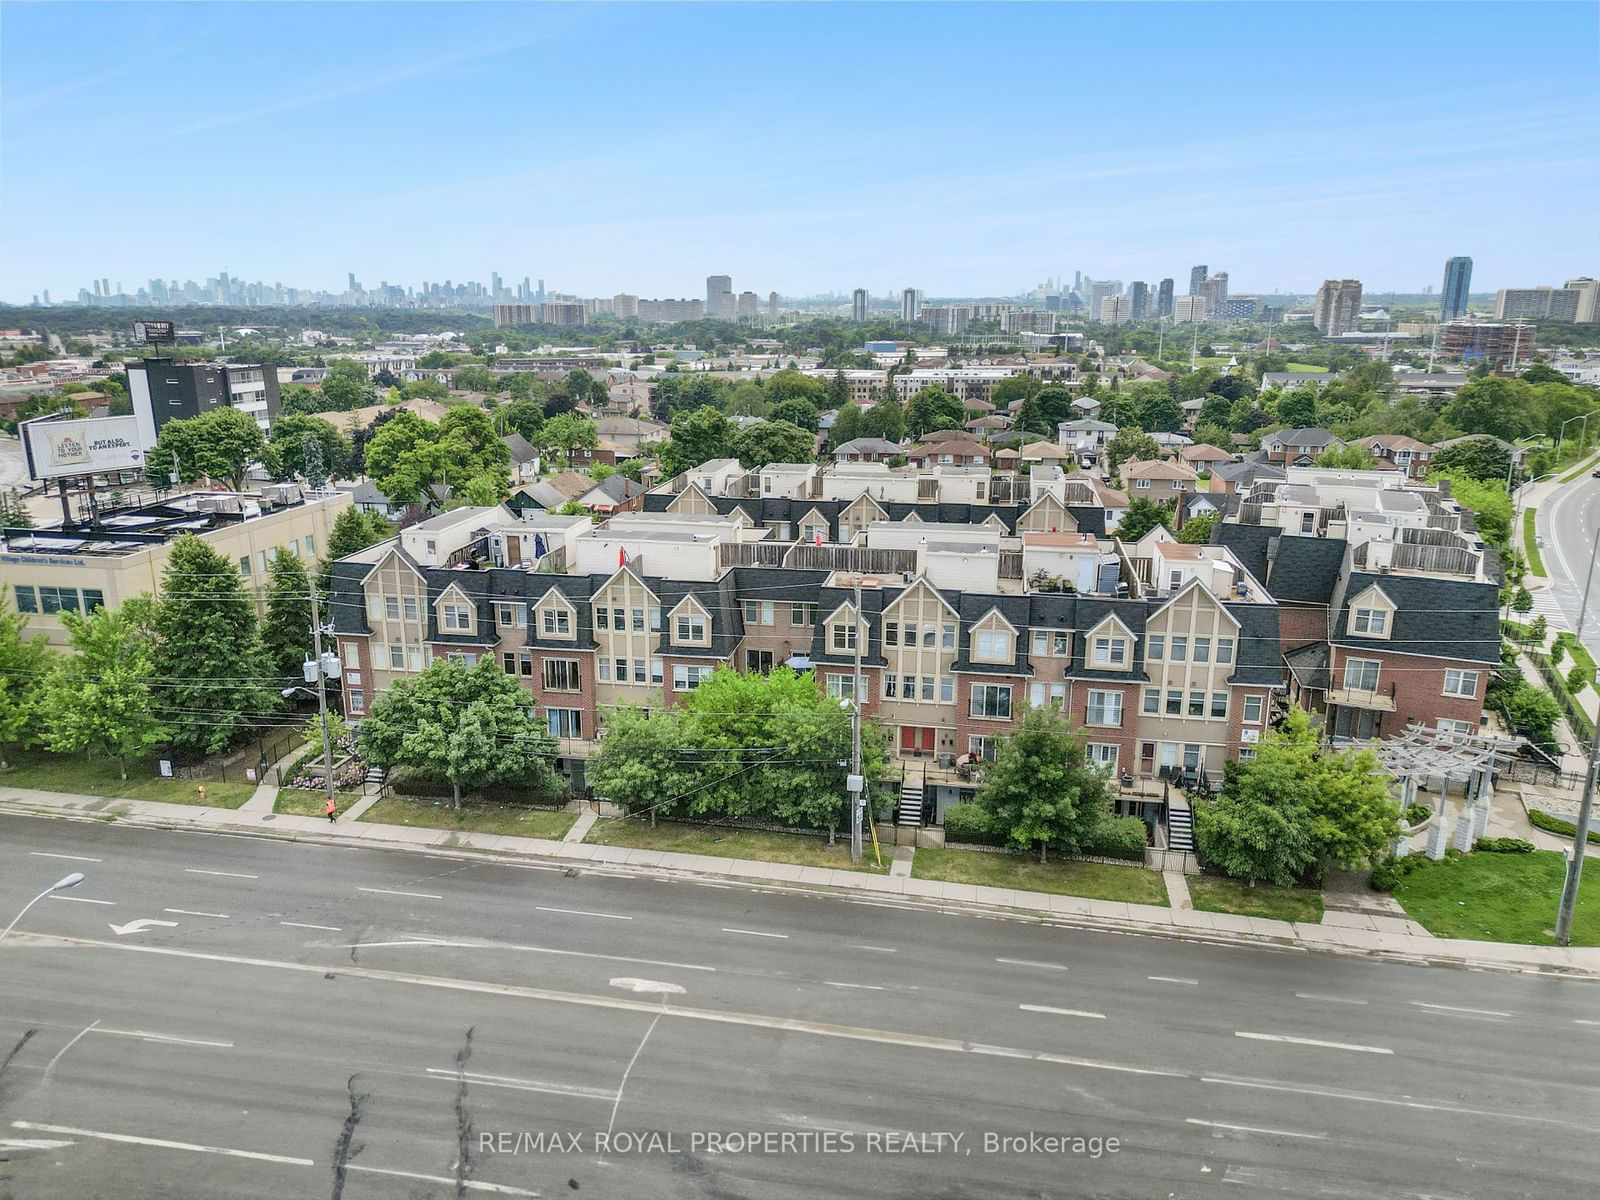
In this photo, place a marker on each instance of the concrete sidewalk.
(1369, 937)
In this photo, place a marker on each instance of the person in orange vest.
(332, 810)
(201, 791)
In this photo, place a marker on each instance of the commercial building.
(1236, 308)
(1028, 320)
(1538, 303)
(1138, 300)
(858, 305)
(1115, 310)
(1492, 342)
(1215, 289)
(749, 306)
(1164, 298)
(911, 305)
(171, 391)
(1189, 310)
(772, 306)
(719, 297)
(624, 306)
(1457, 283)
(563, 312)
(1197, 279)
(81, 565)
(1588, 306)
(508, 315)
(669, 312)
(1337, 307)
(946, 318)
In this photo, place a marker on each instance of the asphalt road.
(359, 1023)
(1568, 522)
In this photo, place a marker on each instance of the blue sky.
(960, 148)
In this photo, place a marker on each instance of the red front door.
(916, 739)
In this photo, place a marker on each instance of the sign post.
(154, 333)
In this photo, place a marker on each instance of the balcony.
(1378, 699)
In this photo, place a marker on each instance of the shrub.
(1118, 837)
(970, 823)
(1503, 845)
(1577, 678)
(1544, 821)
(1386, 876)
(1415, 814)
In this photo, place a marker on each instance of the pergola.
(1422, 753)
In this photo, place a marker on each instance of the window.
(1253, 708)
(93, 598)
(391, 608)
(1142, 484)
(983, 747)
(843, 687)
(619, 622)
(639, 668)
(602, 618)
(947, 635)
(556, 622)
(397, 658)
(509, 662)
(1202, 649)
(1155, 646)
(410, 603)
(891, 687)
(620, 666)
(1174, 579)
(1372, 621)
(636, 622)
(908, 687)
(1460, 728)
(1103, 755)
(564, 722)
(1180, 649)
(27, 598)
(294, 547)
(1174, 703)
(927, 687)
(352, 656)
(758, 661)
(759, 612)
(1197, 704)
(1461, 683)
(311, 545)
(1361, 675)
(691, 629)
(1040, 694)
(911, 634)
(524, 661)
(655, 620)
(844, 637)
(813, 533)
(803, 614)
(55, 599)
(244, 566)
(1105, 708)
(603, 669)
(1224, 650)
(561, 674)
(456, 616)
(1246, 753)
(358, 700)
(1152, 700)
(685, 678)
(891, 633)
(1219, 704)
(1041, 642)
(1110, 652)
(947, 689)
(261, 561)
(991, 701)
(655, 670)
(1191, 757)
(994, 646)
(927, 636)
(513, 615)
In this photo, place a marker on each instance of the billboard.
(55, 448)
(153, 333)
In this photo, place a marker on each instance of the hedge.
(1544, 821)
(1116, 837)
(404, 782)
(1577, 720)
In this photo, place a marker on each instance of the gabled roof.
(1157, 469)
(1205, 452)
(1391, 441)
(1309, 436)
(869, 445)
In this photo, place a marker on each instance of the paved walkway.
(1350, 938)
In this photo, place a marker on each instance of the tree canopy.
(1041, 791)
(220, 444)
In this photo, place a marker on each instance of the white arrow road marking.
(450, 1075)
(1061, 1012)
(141, 925)
(647, 985)
(1300, 1041)
(33, 1143)
(69, 858)
(471, 1185)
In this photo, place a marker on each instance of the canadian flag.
(622, 557)
(816, 538)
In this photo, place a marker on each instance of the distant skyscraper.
(1138, 300)
(351, 280)
(494, 285)
(749, 306)
(720, 301)
(1197, 276)
(858, 305)
(1588, 306)
(1215, 289)
(1338, 306)
(911, 305)
(1457, 282)
(772, 305)
(1164, 298)
(1114, 309)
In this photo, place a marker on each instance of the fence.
(241, 764)
(1577, 720)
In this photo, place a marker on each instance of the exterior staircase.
(375, 776)
(1180, 825)
(909, 812)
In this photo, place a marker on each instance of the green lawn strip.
(422, 812)
(311, 802)
(1555, 825)
(1217, 893)
(100, 777)
(1066, 877)
(727, 842)
(1582, 467)
(1579, 654)
(1303, 367)
(1530, 541)
(1496, 898)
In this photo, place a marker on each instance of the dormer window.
(691, 628)
(455, 617)
(556, 622)
(1373, 621)
(993, 645)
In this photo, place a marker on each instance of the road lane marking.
(68, 857)
(866, 987)
(1577, 1021)
(299, 925)
(877, 949)
(184, 912)
(579, 912)
(471, 1185)
(79, 899)
(1061, 1012)
(1394, 1101)
(1300, 1041)
(1173, 979)
(650, 986)
(144, 1035)
(224, 874)
(1328, 999)
(1450, 1008)
(1025, 962)
(1316, 1137)
(754, 933)
(466, 945)
(35, 1143)
(51, 1064)
(450, 1074)
(161, 1143)
(392, 892)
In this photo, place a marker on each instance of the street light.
(1562, 432)
(60, 885)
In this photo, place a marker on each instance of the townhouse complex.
(948, 598)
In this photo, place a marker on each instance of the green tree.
(1492, 405)
(838, 393)
(1260, 828)
(1040, 790)
(346, 386)
(1354, 815)
(523, 416)
(641, 765)
(1197, 529)
(1539, 630)
(846, 426)
(1130, 442)
(1017, 387)
(352, 530)
(1142, 516)
(1159, 410)
(796, 412)
(1533, 713)
(214, 669)
(773, 441)
(100, 699)
(569, 433)
(469, 726)
(931, 410)
(792, 385)
(220, 444)
(1478, 458)
(1298, 409)
(1490, 501)
(1521, 601)
(697, 437)
(23, 665)
(885, 419)
(287, 453)
(425, 389)
(472, 379)
(1045, 409)
(286, 631)
(1348, 458)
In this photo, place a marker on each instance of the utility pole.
(1580, 840)
(1433, 353)
(322, 691)
(854, 783)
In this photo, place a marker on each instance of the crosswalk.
(1545, 605)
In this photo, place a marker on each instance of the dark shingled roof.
(1304, 569)
(1440, 618)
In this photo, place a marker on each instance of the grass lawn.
(1577, 653)
(1217, 893)
(1498, 898)
(1066, 878)
(310, 802)
(1584, 466)
(1530, 541)
(99, 777)
(758, 844)
(423, 813)
(1303, 367)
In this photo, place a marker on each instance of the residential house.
(1204, 456)
(1158, 480)
(867, 449)
(1044, 453)
(961, 452)
(1394, 451)
(1298, 447)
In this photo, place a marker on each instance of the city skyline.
(348, 106)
